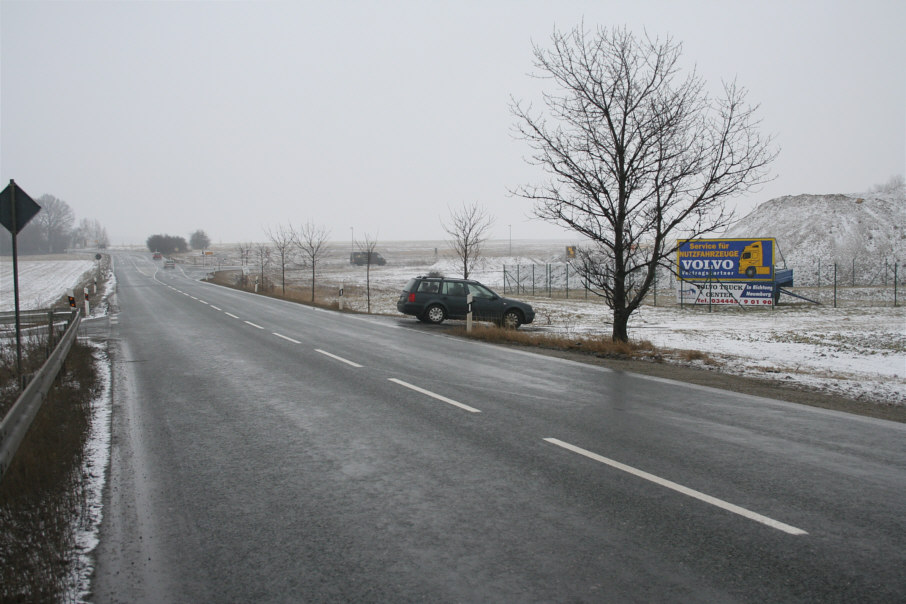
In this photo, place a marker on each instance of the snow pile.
(869, 228)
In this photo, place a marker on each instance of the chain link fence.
(868, 282)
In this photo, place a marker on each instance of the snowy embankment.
(855, 351)
(42, 281)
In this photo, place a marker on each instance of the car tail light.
(412, 297)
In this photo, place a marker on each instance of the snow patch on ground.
(94, 473)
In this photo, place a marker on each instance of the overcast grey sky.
(166, 117)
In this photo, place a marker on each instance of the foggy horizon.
(378, 118)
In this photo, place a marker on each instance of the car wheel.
(435, 314)
(512, 319)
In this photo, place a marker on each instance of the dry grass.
(602, 347)
(42, 496)
(696, 355)
(325, 297)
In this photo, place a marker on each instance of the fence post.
(854, 272)
(895, 266)
(835, 285)
(504, 279)
(819, 272)
(567, 280)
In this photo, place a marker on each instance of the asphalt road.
(264, 451)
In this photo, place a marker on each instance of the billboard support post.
(835, 285)
(895, 267)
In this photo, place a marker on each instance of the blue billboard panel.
(725, 259)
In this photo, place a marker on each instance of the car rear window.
(410, 286)
(454, 289)
(429, 287)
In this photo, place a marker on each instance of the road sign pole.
(12, 193)
(14, 221)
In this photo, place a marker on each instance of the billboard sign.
(733, 293)
(749, 260)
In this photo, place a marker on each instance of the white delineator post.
(469, 314)
(86, 302)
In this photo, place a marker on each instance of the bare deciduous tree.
(896, 184)
(243, 249)
(263, 256)
(90, 233)
(55, 222)
(636, 156)
(468, 226)
(367, 245)
(283, 240)
(311, 240)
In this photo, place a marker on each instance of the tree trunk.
(313, 282)
(620, 327)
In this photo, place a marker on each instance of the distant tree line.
(167, 244)
(199, 240)
(53, 230)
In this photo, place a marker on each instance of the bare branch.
(283, 241)
(311, 241)
(635, 154)
(367, 245)
(468, 227)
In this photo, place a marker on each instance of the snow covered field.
(42, 281)
(857, 349)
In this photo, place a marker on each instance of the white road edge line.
(253, 325)
(434, 395)
(333, 356)
(229, 314)
(279, 335)
(780, 526)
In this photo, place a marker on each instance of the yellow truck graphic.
(751, 262)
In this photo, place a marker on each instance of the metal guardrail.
(34, 316)
(19, 418)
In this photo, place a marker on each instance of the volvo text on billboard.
(725, 259)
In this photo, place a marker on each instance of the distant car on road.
(169, 263)
(361, 258)
(157, 255)
(434, 299)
